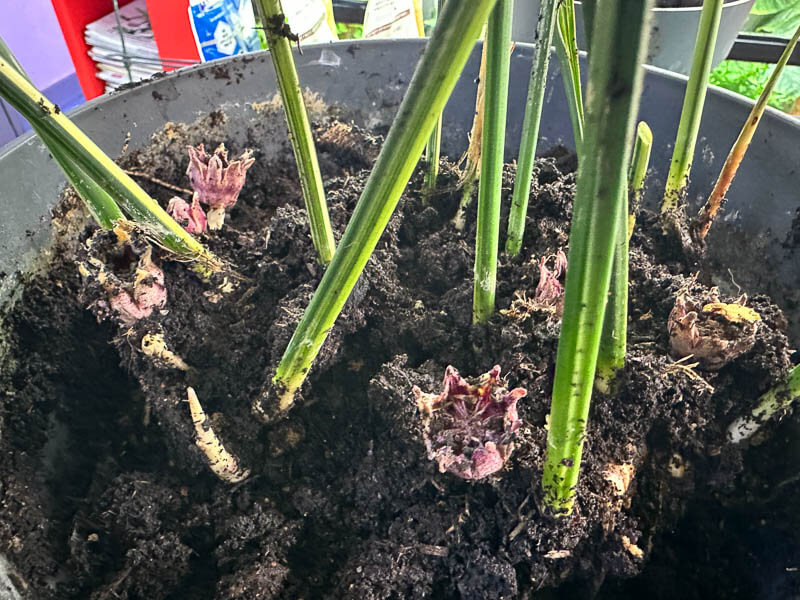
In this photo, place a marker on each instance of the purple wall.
(31, 30)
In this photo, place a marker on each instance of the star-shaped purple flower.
(469, 428)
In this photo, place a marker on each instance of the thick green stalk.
(775, 400)
(530, 127)
(434, 79)
(567, 52)
(472, 157)
(615, 79)
(58, 131)
(692, 111)
(589, 10)
(611, 357)
(736, 155)
(490, 187)
(305, 152)
(101, 206)
(432, 152)
(434, 148)
(638, 171)
(613, 341)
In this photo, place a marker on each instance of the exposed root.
(688, 369)
(224, 464)
(155, 346)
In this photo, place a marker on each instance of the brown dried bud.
(714, 333)
(469, 429)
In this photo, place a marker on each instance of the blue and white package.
(223, 27)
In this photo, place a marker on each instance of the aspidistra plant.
(103, 185)
(691, 113)
(278, 36)
(567, 52)
(99, 204)
(438, 71)
(498, 41)
(740, 146)
(615, 77)
(530, 127)
(613, 343)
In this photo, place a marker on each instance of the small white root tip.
(155, 346)
(216, 218)
(742, 428)
(224, 464)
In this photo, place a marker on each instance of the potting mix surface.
(105, 493)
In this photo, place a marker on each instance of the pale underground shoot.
(224, 464)
(469, 428)
(216, 181)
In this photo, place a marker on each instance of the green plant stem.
(613, 342)
(530, 127)
(99, 204)
(775, 400)
(434, 79)
(432, 152)
(640, 162)
(567, 53)
(615, 79)
(472, 168)
(693, 101)
(434, 148)
(60, 133)
(490, 186)
(589, 11)
(305, 153)
(740, 146)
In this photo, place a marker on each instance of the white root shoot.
(155, 346)
(224, 464)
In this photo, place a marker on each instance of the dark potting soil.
(106, 495)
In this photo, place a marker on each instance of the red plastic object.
(74, 16)
(171, 29)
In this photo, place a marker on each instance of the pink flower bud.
(148, 292)
(190, 216)
(469, 429)
(549, 295)
(216, 181)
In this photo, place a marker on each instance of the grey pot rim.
(95, 102)
(676, 9)
(725, 5)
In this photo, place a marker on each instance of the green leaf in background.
(749, 78)
(775, 17)
(768, 7)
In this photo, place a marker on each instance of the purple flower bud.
(216, 181)
(469, 429)
(549, 295)
(148, 293)
(190, 216)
